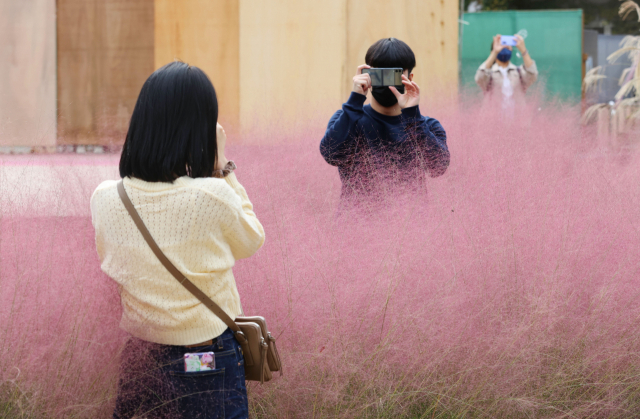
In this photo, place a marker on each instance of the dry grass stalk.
(627, 8)
(592, 79)
(630, 78)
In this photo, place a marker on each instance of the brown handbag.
(258, 345)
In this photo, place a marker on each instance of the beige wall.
(429, 27)
(292, 57)
(27, 73)
(275, 63)
(105, 53)
(303, 53)
(203, 33)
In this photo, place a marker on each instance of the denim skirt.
(153, 382)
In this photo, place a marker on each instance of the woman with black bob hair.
(175, 173)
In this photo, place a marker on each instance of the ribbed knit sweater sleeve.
(342, 130)
(245, 234)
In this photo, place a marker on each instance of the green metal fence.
(554, 40)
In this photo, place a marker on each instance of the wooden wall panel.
(27, 73)
(203, 33)
(276, 62)
(292, 55)
(105, 53)
(429, 27)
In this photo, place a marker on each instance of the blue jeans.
(153, 383)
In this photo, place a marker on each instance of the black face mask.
(384, 96)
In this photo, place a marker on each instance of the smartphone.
(384, 76)
(199, 361)
(508, 40)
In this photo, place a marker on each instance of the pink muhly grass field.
(507, 289)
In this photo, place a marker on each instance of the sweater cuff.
(356, 100)
(533, 69)
(232, 180)
(411, 112)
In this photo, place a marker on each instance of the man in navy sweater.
(389, 139)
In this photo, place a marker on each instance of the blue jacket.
(359, 139)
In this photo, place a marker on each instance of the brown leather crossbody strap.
(170, 266)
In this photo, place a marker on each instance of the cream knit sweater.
(202, 225)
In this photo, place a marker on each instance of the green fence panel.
(554, 40)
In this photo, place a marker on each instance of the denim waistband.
(219, 340)
(227, 334)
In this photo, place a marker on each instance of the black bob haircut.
(390, 52)
(172, 132)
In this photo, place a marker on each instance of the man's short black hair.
(172, 132)
(390, 52)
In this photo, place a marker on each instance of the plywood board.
(429, 27)
(203, 33)
(105, 53)
(292, 56)
(27, 73)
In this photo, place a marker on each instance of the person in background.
(389, 136)
(498, 77)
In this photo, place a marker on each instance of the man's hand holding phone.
(411, 96)
(361, 82)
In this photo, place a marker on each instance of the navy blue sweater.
(359, 137)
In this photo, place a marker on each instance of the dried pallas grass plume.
(592, 79)
(590, 84)
(627, 8)
(630, 78)
(591, 113)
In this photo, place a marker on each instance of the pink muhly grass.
(507, 288)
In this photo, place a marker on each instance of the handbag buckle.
(241, 337)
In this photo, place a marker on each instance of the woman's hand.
(411, 96)
(221, 139)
